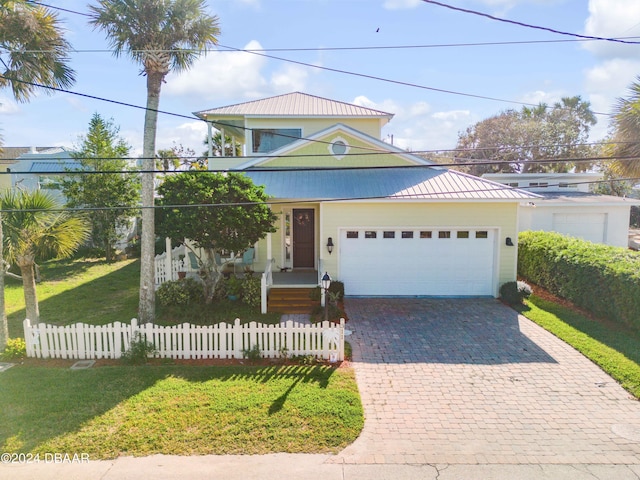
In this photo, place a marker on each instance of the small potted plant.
(234, 286)
(181, 271)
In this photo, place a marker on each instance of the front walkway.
(468, 381)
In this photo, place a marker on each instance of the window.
(482, 234)
(407, 234)
(444, 234)
(370, 234)
(339, 147)
(269, 139)
(352, 234)
(539, 184)
(513, 184)
(388, 234)
(425, 234)
(462, 234)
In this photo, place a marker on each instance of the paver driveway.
(468, 381)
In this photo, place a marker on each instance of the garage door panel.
(417, 266)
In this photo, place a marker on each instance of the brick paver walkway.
(468, 381)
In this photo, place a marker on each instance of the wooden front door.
(303, 238)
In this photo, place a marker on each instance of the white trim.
(332, 143)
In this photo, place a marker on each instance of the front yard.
(182, 410)
(166, 408)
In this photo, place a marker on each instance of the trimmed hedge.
(601, 279)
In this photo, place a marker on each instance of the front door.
(303, 238)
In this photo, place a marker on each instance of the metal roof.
(421, 183)
(53, 166)
(294, 104)
(583, 199)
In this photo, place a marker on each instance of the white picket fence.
(186, 341)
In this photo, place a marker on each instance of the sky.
(426, 118)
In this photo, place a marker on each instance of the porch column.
(269, 248)
(167, 259)
(223, 144)
(210, 145)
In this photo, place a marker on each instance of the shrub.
(515, 292)
(139, 350)
(603, 280)
(180, 292)
(253, 354)
(250, 290)
(336, 288)
(15, 350)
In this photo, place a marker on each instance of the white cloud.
(613, 18)
(540, 96)
(8, 106)
(401, 4)
(221, 74)
(236, 75)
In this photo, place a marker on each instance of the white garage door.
(417, 262)
(588, 226)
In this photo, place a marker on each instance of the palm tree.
(626, 133)
(33, 50)
(36, 227)
(161, 35)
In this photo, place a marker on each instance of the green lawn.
(614, 348)
(184, 410)
(93, 291)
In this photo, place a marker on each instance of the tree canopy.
(520, 138)
(102, 150)
(625, 140)
(33, 50)
(36, 227)
(221, 212)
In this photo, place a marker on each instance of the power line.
(333, 49)
(316, 200)
(387, 80)
(528, 25)
(467, 163)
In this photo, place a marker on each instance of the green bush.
(180, 292)
(139, 350)
(250, 290)
(515, 292)
(601, 279)
(15, 350)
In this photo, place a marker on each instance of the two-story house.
(376, 217)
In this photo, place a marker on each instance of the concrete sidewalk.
(301, 467)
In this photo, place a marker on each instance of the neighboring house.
(399, 227)
(8, 157)
(41, 170)
(567, 206)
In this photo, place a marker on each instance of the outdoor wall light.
(508, 242)
(330, 245)
(326, 283)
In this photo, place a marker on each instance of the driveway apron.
(469, 381)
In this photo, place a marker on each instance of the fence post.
(237, 339)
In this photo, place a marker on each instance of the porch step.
(290, 300)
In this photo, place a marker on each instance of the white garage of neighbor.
(418, 261)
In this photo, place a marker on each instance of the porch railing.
(179, 263)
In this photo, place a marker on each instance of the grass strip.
(613, 348)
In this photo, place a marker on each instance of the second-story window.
(269, 139)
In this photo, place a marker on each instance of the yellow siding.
(357, 146)
(465, 215)
(5, 179)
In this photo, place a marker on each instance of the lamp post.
(326, 283)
